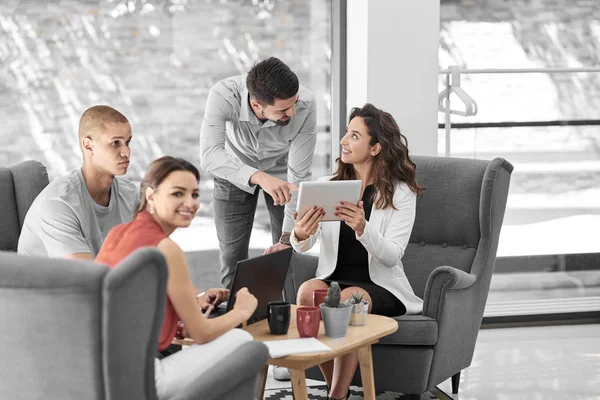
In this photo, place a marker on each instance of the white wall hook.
(454, 87)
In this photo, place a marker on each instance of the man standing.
(71, 217)
(259, 132)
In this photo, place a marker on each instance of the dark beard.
(282, 123)
(277, 122)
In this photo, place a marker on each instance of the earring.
(152, 210)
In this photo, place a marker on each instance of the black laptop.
(264, 276)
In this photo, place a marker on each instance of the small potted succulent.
(336, 314)
(360, 308)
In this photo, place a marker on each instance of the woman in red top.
(168, 200)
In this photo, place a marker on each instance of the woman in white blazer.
(363, 252)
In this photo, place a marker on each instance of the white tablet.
(327, 194)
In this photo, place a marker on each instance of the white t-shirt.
(64, 219)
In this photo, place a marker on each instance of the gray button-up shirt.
(234, 143)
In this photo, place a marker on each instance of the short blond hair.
(93, 121)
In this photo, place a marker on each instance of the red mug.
(319, 297)
(307, 321)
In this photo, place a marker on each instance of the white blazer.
(385, 237)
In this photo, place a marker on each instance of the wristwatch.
(285, 239)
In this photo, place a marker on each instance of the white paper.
(282, 348)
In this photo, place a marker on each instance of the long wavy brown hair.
(391, 165)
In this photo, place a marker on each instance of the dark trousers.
(234, 217)
(172, 349)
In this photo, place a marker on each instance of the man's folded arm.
(61, 233)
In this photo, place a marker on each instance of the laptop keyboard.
(218, 313)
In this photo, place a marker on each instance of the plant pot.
(336, 320)
(358, 316)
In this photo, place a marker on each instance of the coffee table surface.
(377, 327)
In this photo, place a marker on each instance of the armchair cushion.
(424, 256)
(302, 268)
(9, 234)
(30, 178)
(413, 330)
(19, 186)
(42, 300)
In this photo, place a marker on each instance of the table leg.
(261, 383)
(365, 360)
(299, 383)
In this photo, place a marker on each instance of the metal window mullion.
(338, 76)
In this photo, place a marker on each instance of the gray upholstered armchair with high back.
(19, 186)
(449, 262)
(75, 330)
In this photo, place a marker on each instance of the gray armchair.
(75, 330)
(19, 186)
(449, 263)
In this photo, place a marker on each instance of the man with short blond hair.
(72, 216)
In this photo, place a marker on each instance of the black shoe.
(339, 398)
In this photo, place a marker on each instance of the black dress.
(352, 268)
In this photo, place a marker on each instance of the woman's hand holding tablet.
(353, 216)
(308, 224)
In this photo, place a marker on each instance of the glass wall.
(547, 126)
(153, 60)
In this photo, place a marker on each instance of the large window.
(547, 125)
(153, 60)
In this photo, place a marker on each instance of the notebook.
(283, 348)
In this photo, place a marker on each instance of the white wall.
(393, 63)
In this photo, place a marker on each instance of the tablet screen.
(327, 194)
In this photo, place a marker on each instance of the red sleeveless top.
(123, 240)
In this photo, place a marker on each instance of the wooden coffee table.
(359, 338)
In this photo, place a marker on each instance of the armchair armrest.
(455, 300)
(233, 378)
(442, 280)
